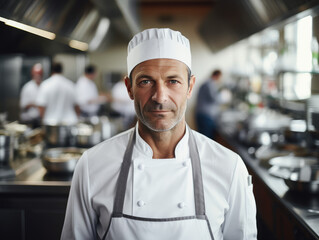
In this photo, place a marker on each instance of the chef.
(87, 95)
(122, 104)
(160, 179)
(29, 92)
(56, 99)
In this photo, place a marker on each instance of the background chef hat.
(158, 43)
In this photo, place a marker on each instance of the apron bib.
(127, 227)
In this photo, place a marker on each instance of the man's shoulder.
(204, 87)
(68, 81)
(28, 85)
(45, 84)
(81, 81)
(210, 146)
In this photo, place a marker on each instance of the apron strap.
(122, 180)
(197, 176)
(196, 169)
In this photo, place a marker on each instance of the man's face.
(160, 91)
(37, 75)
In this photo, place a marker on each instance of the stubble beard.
(150, 126)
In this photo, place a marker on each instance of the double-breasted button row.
(141, 166)
(180, 205)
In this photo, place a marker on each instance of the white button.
(181, 205)
(185, 164)
(140, 203)
(141, 167)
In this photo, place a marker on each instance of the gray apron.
(127, 227)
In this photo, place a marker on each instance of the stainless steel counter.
(303, 207)
(32, 178)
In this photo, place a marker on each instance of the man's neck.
(163, 143)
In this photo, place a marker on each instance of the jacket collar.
(143, 149)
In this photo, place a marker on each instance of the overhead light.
(101, 31)
(30, 29)
(79, 45)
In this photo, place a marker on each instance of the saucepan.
(84, 135)
(61, 160)
(57, 135)
(301, 174)
(305, 179)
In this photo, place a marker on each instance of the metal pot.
(61, 160)
(305, 179)
(300, 174)
(57, 135)
(5, 139)
(6, 148)
(85, 135)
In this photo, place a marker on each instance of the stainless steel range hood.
(233, 20)
(73, 19)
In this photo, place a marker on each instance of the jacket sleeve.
(79, 222)
(240, 219)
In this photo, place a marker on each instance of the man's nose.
(160, 93)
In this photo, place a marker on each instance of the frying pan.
(301, 174)
(61, 160)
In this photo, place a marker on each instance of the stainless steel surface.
(5, 156)
(10, 75)
(305, 180)
(28, 176)
(293, 162)
(312, 112)
(5, 139)
(6, 148)
(57, 135)
(85, 135)
(61, 160)
(280, 190)
(232, 21)
(69, 20)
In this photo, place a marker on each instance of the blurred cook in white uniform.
(122, 103)
(160, 179)
(29, 92)
(87, 94)
(56, 99)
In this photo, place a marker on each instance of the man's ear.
(191, 86)
(128, 87)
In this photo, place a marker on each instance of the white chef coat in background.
(160, 188)
(86, 91)
(29, 93)
(57, 95)
(122, 103)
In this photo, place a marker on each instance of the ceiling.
(233, 20)
(170, 8)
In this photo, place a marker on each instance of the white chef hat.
(158, 43)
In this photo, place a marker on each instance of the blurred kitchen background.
(268, 51)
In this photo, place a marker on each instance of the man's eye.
(145, 82)
(173, 81)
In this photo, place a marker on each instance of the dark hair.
(56, 67)
(216, 73)
(90, 69)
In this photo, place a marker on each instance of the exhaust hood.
(233, 20)
(82, 24)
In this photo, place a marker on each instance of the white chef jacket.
(57, 95)
(160, 188)
(29, 93)
(86, 91)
